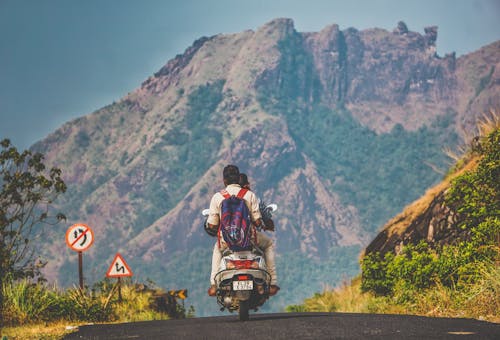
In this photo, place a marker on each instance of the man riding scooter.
(231, 178)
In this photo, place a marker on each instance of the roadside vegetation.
(29, 308)
(456, 280)
(34, 311)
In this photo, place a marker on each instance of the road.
(297, 326)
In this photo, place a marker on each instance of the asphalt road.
(297, 326)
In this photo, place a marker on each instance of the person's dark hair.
(231, 174)
(244, 180)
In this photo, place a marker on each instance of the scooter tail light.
(230, 264)
(242, 264)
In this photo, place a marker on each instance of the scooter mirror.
(205, 212)
(272, 207)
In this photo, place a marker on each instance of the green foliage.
(375, 275)
(27, 192)
(413, 269)
(28, 303)
(475, 196)
(296, 309)
(83, 305)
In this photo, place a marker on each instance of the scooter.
(242, 280)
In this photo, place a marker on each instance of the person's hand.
(269, 225)
(210, 229)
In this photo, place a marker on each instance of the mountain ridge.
(335, 126)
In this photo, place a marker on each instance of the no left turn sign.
(79, 237)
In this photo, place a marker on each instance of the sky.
(63, 59)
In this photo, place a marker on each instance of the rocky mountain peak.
(341, 128)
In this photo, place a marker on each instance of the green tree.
(27, 192)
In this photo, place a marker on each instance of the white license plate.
(242, 285)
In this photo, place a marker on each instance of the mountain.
(341, 128)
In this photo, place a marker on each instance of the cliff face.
(427, 219)
(437, 225)
(315, 119)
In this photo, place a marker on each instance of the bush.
(83, 305)
(27, 302)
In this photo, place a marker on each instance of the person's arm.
(256, 215)
(213, 215)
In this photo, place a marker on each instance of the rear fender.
(242, 295)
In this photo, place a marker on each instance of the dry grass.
(479, 301)
(136, 307)
(348, 298)
(488, 122)
(39, 331)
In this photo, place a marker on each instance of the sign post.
(119, 268)
(79, 237)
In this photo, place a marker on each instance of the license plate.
(242, 285)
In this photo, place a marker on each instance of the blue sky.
(62, 59)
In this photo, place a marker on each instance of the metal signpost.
(79, 237)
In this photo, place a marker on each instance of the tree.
(28, 189)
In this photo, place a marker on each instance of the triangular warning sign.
(119, 268)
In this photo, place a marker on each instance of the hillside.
(441, 255)
(341, 128)
(436, 218)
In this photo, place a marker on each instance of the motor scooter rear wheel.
(244, 310)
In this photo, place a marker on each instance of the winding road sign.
(79, 237)
(119, 268)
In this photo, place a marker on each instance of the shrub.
(27, 302)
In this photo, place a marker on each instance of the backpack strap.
(242, 193)
(225, 193)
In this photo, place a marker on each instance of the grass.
(35, 311)
(478, 301)
(56, 330)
